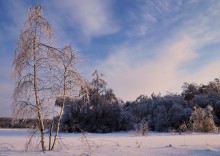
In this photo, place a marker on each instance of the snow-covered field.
(155, 144)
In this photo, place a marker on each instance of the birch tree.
(42, 74)
(66, 81)
(30, 68)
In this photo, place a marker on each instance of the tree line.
(197, 109)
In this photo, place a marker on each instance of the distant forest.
(98, 110)
(196, 108)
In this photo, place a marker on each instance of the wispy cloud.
(151, 13)
(90, 18)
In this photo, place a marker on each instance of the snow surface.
(12, 143)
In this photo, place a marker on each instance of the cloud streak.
(91, 18)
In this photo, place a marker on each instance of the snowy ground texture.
(12, 143)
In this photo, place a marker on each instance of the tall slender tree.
(66, 81)
(30, 67)
(42, 74)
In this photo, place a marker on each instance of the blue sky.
(140, 46)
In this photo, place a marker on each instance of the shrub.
(141, 128)
(201, 120)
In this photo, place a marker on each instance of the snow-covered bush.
(141, 128)
(201, 120)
